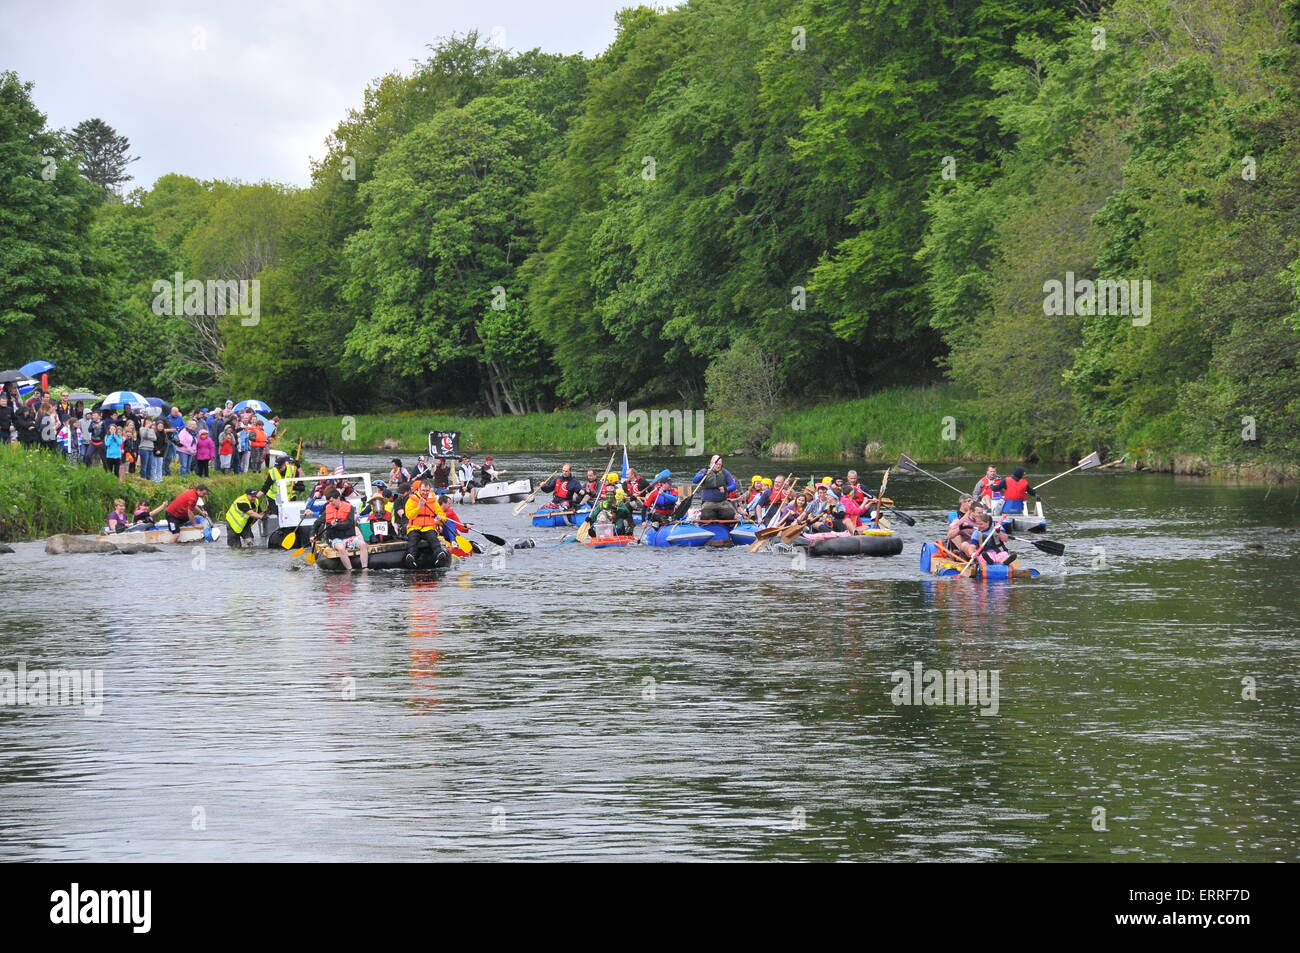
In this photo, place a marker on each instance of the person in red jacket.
(984, 488)
(182, 509)
(1014, 490)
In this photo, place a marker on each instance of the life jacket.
(633, 486)
(984, 488)
(236, 518)
(257, 437)
(1015, 489)
(663, 500)
(562, 487)
(337, 511)
(423, 512)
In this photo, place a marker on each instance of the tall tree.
(102, 153)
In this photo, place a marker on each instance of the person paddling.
(661, 501)
(182, 509)
(716, 483)
(564, 488)
(1014, 489)
(984, 488)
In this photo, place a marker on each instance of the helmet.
(827, 480)
(756, 479)
(611, 477)
(619, 496)
(767, 481)
(379, 483)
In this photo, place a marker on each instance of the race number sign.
(444, 443)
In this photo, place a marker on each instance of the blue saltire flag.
(624, 473)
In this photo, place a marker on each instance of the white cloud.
(250, 90)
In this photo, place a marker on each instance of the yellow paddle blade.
(583, 532)
(289, 541)
(310, 558)
(297, 552)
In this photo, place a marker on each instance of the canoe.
(382, 556)
(189, 534)
(601, 542)
(504, 491)
(936, 561)
(874, 542)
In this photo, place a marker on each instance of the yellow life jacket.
(236, 518)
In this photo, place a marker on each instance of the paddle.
(908, 465)
(291, 539)
(1087, 463)
(902, 516)
(524, 503)
(496, 540)
(1049, 546)
(992, 533)
(1054, 515)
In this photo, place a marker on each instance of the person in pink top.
(204, 451)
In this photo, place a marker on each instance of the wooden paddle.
(523, 504)
(992, 533)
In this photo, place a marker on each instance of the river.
(570, 703)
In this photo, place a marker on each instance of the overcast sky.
(248, 90)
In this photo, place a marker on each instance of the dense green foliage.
(874, 194)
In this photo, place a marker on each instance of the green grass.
(901, 420)
(42, 493)
(562, 430)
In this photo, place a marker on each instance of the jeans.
(187, 463)
(167, 458)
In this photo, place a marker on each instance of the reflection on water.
(572, 702)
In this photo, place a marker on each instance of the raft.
(601, 542)
(382, 556)
(505, 491)
(552, 518)
(744, 533)
(680, 534)
(139, 537)
(874, 542)
(934, 560)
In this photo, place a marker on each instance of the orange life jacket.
(337, 511)
(427, 512)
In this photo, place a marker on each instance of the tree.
(102, 153)
(52, 300)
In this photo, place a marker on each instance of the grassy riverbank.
(42, 493)
(902, 420)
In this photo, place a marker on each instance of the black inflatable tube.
(853, 546)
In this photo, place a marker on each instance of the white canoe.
(512, 491)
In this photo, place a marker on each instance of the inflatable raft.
(553, 518)
(936, 560)
(599, 542)
(872, 542)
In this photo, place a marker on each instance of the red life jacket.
(1015, 489)
(561, 488)
(337, 511)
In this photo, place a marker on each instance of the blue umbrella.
(156, 402)
(37, 368)
(121, 398)
(254, 405)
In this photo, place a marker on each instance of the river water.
(566, 702)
